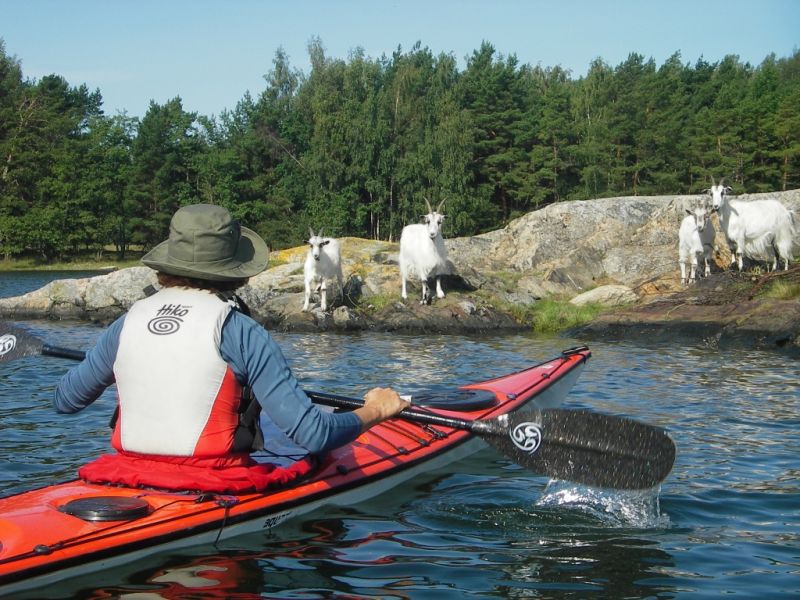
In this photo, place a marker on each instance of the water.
(725, 522)
(16, 283)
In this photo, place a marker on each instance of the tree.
(590, 112)
(727, 122)
(552, 168)
(50, 132)
(106, 208)
(275, 181)
(163, 175)
(491, 92)
(787, 131)
(12, 90)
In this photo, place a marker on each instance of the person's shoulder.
(243, 323)
(242, 319)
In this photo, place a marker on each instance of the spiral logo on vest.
(168, 319)
(7, 343)
(527, 437)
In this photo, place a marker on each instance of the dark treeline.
(357, 145)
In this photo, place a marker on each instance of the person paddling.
(188, 365)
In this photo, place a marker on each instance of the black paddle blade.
(17, 343)
(586, 447)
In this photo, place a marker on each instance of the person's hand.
(380, 404)
(387, 401)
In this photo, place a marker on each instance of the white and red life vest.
(177, 396)
(179, 404)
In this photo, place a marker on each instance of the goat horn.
(319, 233)
(441, 204)
(310, 232)
(712, 180)
(721, 181)
(428, 204)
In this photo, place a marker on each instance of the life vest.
(177, 396)
(187, 433)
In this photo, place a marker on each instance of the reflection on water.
(591, 565)
(726, 520)
(354, 363)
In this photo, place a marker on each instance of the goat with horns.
(423, 254)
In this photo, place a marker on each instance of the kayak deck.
(40, 543)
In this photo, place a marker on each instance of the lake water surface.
(726, 522)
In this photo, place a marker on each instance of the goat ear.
(688, 212)
(728, 189)
(325, 242)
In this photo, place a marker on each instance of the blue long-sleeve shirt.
(256, 360)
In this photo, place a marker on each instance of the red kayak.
(73, 528)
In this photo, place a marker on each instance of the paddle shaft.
(71, 353)
(336, 401)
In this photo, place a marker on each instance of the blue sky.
(210, 52)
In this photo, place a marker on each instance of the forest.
(355, 146)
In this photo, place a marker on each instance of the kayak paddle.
(574, 445)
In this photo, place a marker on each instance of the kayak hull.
(40, 544)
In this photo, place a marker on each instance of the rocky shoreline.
(616, 252)
(722, 312)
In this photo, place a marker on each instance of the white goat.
(695, 239)
(757, 228)
(422, 252)
(323, 263)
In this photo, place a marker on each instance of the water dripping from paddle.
(637, 509)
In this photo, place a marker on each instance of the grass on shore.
(81, 265)
(782, 290)
(554, 316)
(29, 264)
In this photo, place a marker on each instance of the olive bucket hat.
(205, 242)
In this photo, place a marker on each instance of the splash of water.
(615, 508)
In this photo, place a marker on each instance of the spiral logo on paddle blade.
(527, 437)
(7, 343)
(164, 325)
